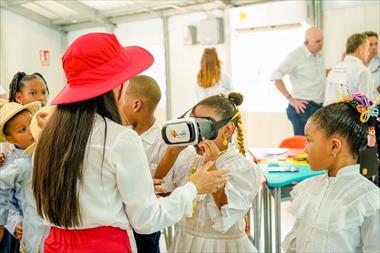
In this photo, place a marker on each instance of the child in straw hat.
(22, 220)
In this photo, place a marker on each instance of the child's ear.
(336, 146)
(229, 129)
(10, 139)
(137, 105)
(18, 97)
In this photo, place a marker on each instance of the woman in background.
(210, 80)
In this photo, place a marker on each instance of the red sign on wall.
(44, 58)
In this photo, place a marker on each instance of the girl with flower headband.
(338, 211)
(217, 223)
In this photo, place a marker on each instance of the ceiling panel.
(40, 10)
(57, 8)
(104, 5)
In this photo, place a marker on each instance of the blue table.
(275, 181)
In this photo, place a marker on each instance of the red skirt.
(100, 239)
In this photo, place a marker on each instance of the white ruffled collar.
(348, 171)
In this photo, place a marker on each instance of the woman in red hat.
(91, 178)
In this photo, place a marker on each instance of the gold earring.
(225, 142)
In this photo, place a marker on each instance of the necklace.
(192, 171)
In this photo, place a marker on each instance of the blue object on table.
(284, 179)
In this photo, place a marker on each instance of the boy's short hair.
(147, 88)
(355, 41)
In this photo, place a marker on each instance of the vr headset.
(191, 131)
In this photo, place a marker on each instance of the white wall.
(21, 42)
(185, 61)
(340, 21)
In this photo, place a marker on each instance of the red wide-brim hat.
(96, 63)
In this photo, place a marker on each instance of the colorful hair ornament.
(366, 107)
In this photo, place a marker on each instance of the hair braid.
(240, 136)
(15, 86)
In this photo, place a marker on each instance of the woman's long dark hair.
(59, 157)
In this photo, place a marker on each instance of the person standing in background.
(373, 62)
(3, 93)
(210, 80)
(350, 75)
(306, 69)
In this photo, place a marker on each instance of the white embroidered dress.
(212, 229)
(335, 214)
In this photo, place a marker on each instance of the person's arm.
(370, 231)
(285, 68)
(14, 215)
(167, 161)
(299, 105)
(145, 212)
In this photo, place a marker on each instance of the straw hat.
(34, 128)
(11, 109)
(96, 63)
(3, 102)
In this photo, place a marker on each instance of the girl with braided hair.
(26, 88)
(217, 222)
(338, 211)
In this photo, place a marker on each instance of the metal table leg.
(267, 219)
(277, 215)
(269, 213)
(256, 222)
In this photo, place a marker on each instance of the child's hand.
(42, 118)
(209, 149)
(157, 189)
(18, 231)
(2, 159)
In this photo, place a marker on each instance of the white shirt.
(224, 86)
(214, 229)
(349, 75)
(121, 193)
(154, 146)
(306, 72)
(335, 214)
(374, 68)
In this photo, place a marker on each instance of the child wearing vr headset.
(217, 222)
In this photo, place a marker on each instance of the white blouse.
(224, 87)
(214, 229)
(335, 214)
(120, 193)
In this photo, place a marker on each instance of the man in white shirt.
(374, 61)
(350, 75)
(306, 69)
(141, 98)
